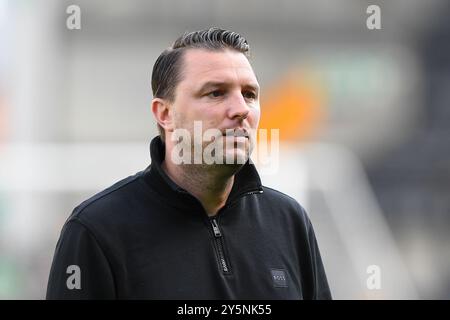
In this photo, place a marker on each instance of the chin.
(238, 156)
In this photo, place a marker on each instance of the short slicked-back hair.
(166, 72)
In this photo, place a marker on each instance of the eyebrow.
(218, 84)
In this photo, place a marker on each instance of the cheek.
(253, 118)
(179, 119)
(211, 117)
(184, 113)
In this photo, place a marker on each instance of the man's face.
(220, 89)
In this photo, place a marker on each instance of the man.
(193, 229)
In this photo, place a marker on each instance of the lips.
(235, 132)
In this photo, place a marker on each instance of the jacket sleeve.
(321, 290)
(80, 269)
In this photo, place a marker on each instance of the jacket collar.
(246, 180)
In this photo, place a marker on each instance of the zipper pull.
(216, 229)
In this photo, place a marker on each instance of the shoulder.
(282, 198)
(285, 204)
(108, 204)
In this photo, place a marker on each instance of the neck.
(210, 184)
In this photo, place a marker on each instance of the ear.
(162, 110)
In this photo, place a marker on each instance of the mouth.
(236, 132)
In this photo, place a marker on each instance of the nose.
(238, 108)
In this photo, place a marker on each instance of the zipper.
(253, 192)
(218, 238)
(218, 242)
(243, 195)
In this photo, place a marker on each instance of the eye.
(249, 95)
(215, 94)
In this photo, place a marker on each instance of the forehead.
(200, 66)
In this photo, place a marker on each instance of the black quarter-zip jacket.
(146, 238)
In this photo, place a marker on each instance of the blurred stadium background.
(365, 143)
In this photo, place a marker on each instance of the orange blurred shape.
(294, 105)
